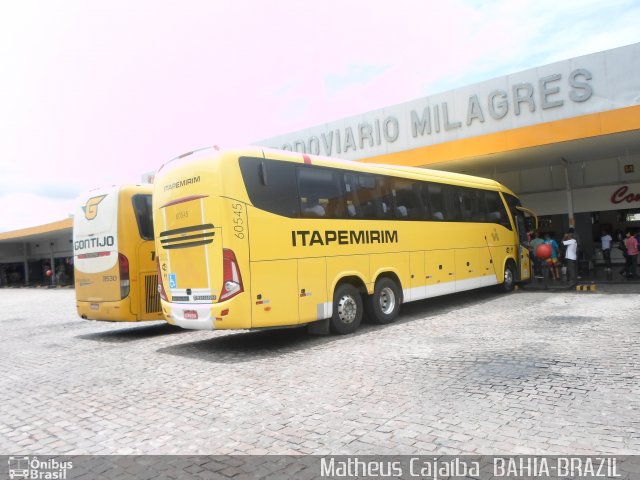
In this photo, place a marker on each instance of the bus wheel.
(509, 277)
(384, 305)
(347, 309)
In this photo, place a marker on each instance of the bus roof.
(398, 170)
(404, 171)
(133, 187)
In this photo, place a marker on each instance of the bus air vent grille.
(151, 293)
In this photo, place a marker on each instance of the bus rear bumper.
(207, 316)
(189, 316)
(106, 311)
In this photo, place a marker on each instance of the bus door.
(524, 261)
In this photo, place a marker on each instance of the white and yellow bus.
(264, 238)
(114, 255)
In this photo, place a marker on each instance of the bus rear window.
(142, 210)
(271, 185)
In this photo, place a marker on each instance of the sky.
(96, 92)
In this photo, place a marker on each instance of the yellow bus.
(114, 255)
(264, 238)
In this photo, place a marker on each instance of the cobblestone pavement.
(479, 372)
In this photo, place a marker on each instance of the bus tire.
(509, 280)
(347, 309)
(384, 305)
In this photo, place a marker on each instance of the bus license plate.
(190, 315)
(95, 306)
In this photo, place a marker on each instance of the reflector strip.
(187, 244)
(188, 237)
(184, 199)
(94, 255)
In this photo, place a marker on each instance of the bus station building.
(565, 137)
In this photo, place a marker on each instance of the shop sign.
(622, 194)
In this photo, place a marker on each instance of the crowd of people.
(629, 247)
(562, 257)
(39, 272)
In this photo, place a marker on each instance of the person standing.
(60, 274)
(623, 248)
(605, 244)
(537, 263)
(552, 261)
(571, 255)
(632, 254)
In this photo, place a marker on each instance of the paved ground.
(481, 372)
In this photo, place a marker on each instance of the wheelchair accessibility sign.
(173, 283)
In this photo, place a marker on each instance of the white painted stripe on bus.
(325, 310)
(476, 282)
(206, 248)
(168, 252)
(430, 291)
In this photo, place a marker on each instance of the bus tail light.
(163, 294)
(232, 280)
(123, 264)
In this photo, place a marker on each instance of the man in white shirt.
(571, 255)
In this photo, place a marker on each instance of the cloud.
(58, 188)
(23, 210)
(59, 192)
(354, 74)
(414, 49)
(97, 94)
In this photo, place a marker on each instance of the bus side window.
(320, 193)
(496, 211)
(386, 202)
(478, 207)
(336, 199)
(367, 195)
(435, 197)
(452, 200)
(352, 205)
(409, 204)
(471, 205)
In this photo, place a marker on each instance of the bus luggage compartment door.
(312, 289)
(274, 293)
(440, 272)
